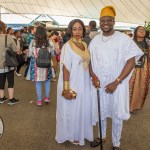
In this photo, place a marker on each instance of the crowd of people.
(110, 61)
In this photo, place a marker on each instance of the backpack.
(10, 56)
(43, 59)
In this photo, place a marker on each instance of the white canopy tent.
(129, 11)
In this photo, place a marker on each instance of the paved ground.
(28, 127)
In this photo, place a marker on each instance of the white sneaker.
(18, 74)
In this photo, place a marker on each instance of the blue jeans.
(39, 89)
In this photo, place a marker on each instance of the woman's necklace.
(78, 42)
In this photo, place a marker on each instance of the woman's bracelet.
(66, 85)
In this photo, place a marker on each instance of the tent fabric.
(131, 11)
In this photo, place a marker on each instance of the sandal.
(75, 142)
(97, 142)
(116, 148)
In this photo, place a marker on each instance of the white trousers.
(116, 131)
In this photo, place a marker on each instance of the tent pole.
(0, 12)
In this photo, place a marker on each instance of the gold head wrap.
(108, 11)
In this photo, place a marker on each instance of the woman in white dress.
(74, 111)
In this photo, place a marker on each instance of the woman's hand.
(95, 82)
(111, 87)
(67, 95)
(19, 52)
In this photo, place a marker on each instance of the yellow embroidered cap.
(108, 11)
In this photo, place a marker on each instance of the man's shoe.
(13, 101)
(3, 100)
(116, 148)
(97, 142)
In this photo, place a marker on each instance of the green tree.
(147, 26)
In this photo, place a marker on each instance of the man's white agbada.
(108, 60)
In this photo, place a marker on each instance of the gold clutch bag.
(73, 93)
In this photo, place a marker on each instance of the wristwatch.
(119, 80)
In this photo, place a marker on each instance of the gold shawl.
(84, 54)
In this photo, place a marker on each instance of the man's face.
(107, 24)
(34, 30)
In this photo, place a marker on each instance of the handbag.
(10, 56)
(20, 58)
(140, 62)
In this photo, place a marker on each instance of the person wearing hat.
(113, 57)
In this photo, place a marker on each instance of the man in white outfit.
(113, 56)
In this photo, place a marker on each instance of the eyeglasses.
(141, 30)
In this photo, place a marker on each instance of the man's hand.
(111, 87)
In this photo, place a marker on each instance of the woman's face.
(11, 31)
(141, 32)
(77, 31)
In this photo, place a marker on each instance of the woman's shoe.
(39, 103)
(3, 100)
(75, 142)
(47, 100)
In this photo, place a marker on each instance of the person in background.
(66, 37)
(31, 36)
(87, 39)
(130, 35)
(147, 37)
(55, 48)
(139, 82)
(10, 31)
(113, 57)
(93, 29)
(74, 111)
(20, 57)
(24, 37)
(37, 74)
(61, 34)
(5, 72)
